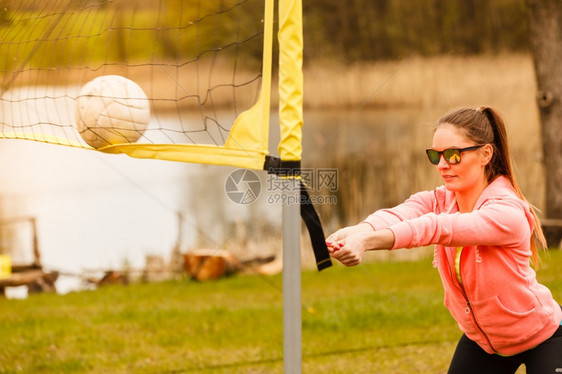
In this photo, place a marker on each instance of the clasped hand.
(349, 244)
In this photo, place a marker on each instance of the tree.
(545, 28)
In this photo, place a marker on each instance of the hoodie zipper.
(468, 309)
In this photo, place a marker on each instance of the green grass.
(234, 325)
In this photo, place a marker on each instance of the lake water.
(96, 211)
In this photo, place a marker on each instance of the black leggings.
(469, 358)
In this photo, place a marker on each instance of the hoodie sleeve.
(498, 222)
(416, 205)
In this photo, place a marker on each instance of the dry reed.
(442, 81)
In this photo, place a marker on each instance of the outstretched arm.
(348, 244)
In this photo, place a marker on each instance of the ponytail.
(501, 164)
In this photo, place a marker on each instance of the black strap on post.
(312, 221)
(276, 166)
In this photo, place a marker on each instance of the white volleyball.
(110, 110)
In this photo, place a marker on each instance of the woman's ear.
(487, 152)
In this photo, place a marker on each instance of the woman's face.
(470, 172)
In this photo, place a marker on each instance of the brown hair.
(484, 125)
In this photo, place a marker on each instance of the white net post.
(292, 319)
(290, 149)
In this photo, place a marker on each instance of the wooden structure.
(206, 264)
(31, 275)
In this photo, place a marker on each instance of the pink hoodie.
(499, 304)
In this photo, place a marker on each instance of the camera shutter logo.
(242, 186)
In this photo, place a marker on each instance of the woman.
(485, 235)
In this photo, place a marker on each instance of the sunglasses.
(451, 155)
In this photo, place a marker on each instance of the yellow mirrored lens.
(453, 156)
